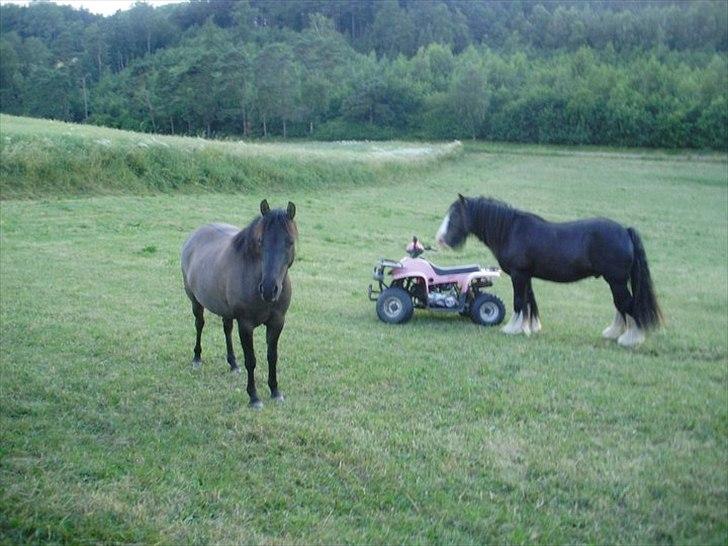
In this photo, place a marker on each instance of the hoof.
(278, 398)
(256, 405)
(616, 329)
(511, 331)
(515, 325)
(633, 336)
(535, 325)
(196, 364)
(235, 370)
(612, 333)
(630, 339)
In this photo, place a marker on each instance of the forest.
(606, 72)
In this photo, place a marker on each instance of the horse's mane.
(245, 240)
(490, 219)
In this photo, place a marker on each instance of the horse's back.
(206, 240)
(568, 251)
(203, 257)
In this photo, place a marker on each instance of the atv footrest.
(373, 294)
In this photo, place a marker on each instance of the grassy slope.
(43, 158)
(436, 431)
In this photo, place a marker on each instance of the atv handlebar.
(415, 248)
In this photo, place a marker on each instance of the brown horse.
(243, 275)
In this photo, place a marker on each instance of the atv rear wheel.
(394, 305)
(487, 310)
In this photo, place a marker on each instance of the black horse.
(528, 246)
(243, 275)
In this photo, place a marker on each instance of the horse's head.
(275, 238)
(455, 226)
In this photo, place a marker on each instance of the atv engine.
(443, 295)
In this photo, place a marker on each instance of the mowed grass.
(437, 431)
(41, 158)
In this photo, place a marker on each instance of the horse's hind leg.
(616, 329)
(533, 310)
(199, 313)
(624, 328)
(227, 325)
(622, 299)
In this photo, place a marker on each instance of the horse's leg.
(227, 325)
(620, 296)
(520, 321)
(246, 340)
(272, 333)
(633, 335)
(616, 329)
(199, 313)
(533, 308)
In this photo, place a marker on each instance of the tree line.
(609, 72)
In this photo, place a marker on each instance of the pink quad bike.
(419, 283)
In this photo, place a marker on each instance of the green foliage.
(277, 84)
(468, 94)
(638, 74)
(339, 129)
(392, 31)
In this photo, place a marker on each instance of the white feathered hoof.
(526, 324)
(616, 329)
(535, 325)
(515, 325)
(633, 336)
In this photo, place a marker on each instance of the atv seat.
(456, 270)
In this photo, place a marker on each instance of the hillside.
(42, 158)
(601, 73)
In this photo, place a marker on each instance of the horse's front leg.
(521, 320)
(272, 333)
(246, 340)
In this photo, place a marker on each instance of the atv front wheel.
(487, 310)
(394, 306)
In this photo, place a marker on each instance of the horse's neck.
(493, 227)
(241, 259)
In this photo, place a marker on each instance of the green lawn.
(42, 158)
(437, 431)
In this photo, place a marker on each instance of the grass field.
(42, 158)
(437, 431)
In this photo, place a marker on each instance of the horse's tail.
(647, 313)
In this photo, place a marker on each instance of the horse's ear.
(291, 210)
(461, 198)
(264, 207)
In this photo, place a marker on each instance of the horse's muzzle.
(441, 241)
(269, 293)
